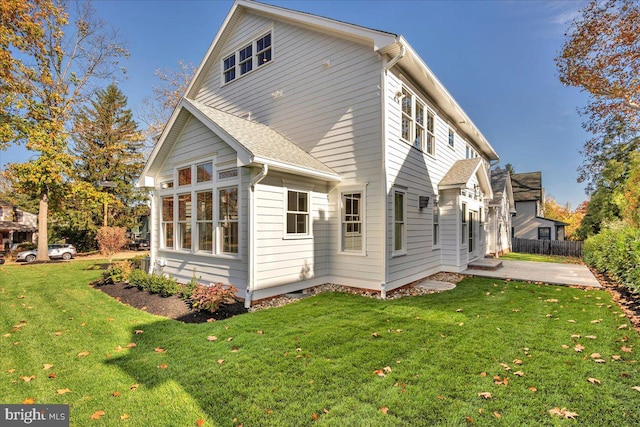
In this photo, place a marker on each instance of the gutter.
(253, 262)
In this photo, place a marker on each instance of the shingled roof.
(527, 186)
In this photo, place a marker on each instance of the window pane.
(430, 121)
(167, 208)
(184, 176)
(264, 57)
(245, 53)
(230, 237)
(419, 114)
(229, 204)
(168, 235)
(302, 202)
(184, 207)
(204, 172)
(205, 236)
(399, 206)
(406, 128)
(205, 206)
(185, 235)
(399, 227)
(407, 101)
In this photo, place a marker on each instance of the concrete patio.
(547, 272)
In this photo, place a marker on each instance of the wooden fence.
(548, 247)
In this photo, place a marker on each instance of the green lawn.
(316, 362)
(516, 256)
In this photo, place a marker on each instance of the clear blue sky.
(495, 57)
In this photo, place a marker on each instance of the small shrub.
(118, 273)
(210, 298)
(111, 240)
(155, 283)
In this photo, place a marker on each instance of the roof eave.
(298, 170)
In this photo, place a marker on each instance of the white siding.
(526, 223)
(333, 112)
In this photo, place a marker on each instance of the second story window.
(452, 137)
(247, 58)
(417, 123)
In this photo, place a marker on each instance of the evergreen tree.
(108, 147)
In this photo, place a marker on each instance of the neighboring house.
(529, 221)
(501, 209)
(16, 225)
(309, 151)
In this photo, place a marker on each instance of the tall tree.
(564, 213)
(108, 147)
(600, 56)
(48, 67)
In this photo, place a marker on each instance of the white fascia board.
(298, 170)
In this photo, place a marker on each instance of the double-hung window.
(430, 143)
(407, 115)
(204, 220)
(452, 138)
(228, 219)
(184, 221)
(399, 222)
(464, 228)
(248, 58)
(167, 222)
(297, 212)
(436, 224)
(352, 232)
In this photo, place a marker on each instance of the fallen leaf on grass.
(375, 335)
(599, 360)
(565, 346)
(220, 361)
(212, 338)
(497, 415)
(594, 380)
(626, 349)
(163, 366)
(533, 389)
(469, 420)
(379, 372)
(63, 391)
(616, 357)
(591, 337)
(636, 388)
(551, 300)
(517, 362)
(138, 331)
(83, 353)
(125, 417)
(485, 395)
(52, 375)
(519, 373)
(10, 371)
(314, 416)
(200, 422)
(578, 348)
(384, 409)
(134, 387)
(47, 366)
(160, 350)
(131, 345)
(96, 415)
(27, 379)
(483, 374)
(623, 326)
(505, 366)
(115, 394)
(29, 401)
(563, 413)
(571, 321)
(260, 332)
(596, 356)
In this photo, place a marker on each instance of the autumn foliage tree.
(601, 57)
(111, 240)
(48, 65)
(564, 213)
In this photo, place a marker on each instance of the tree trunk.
(43, 238)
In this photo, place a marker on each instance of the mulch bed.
(172, 307)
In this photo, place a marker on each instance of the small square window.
(204, 172)
(184, 176)
(297, 212)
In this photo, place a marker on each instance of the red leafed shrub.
(111, 240)
(210, 298)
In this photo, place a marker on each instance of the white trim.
(309, 232)
(235, 51)
(403, 250)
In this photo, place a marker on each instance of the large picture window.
(228, 219)
(297, 212)
(246, 59)
(201, 214)
(399, 222)
(352, 233)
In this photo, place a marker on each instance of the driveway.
(547, 272)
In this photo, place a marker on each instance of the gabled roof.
(460, 173)
(255, 143)
(527, 186)
(501, 183)
(385, 43)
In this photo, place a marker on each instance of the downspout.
(253, 262)
(385, 195)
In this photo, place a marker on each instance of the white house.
(501, 209)
(308, 151)
(529, 221)
(16, 225)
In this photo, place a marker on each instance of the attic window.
(247, 58)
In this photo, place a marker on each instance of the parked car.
(65, 252)
(1, 259)
(139, 244)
